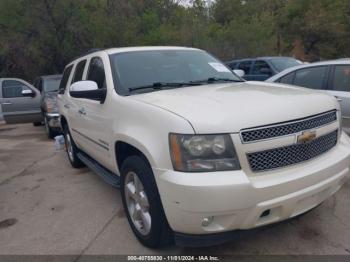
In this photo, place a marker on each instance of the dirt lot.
(47, 207)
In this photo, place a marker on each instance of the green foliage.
(321, 27)
(41, 36)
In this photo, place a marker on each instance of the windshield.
(52, 84)
(166, 68)
(282, 63)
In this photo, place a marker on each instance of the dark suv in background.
(261, 68)
(48, 86)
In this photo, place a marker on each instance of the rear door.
(94, 121)
(76, 108)
(17, 108)
(339, 84)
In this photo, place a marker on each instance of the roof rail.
(90, 51)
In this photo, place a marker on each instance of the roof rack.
(90, 51)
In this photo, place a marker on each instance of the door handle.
(339, 99)
(7, 103)
(82, 111)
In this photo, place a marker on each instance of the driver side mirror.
(27, 93)
(88, 90)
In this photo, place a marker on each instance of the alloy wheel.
(137, 203)
(70, 147)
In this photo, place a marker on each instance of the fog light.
(207, 220)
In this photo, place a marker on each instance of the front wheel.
(142, 203)
(72, 150)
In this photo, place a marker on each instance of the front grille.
(288, 128)
(293, 154)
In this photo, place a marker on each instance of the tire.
(72, 149)
(50, 133)
(37, 124)
(158, 232)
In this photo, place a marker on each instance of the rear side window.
(312, 77)
(287, 79)
(245, 66)
(261, 68)
(65, 77)
(78, 75)
(97, 72)
(13, 88)
(341, 80)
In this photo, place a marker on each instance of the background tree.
(41, 36)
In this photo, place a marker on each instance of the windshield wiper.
(161, 85)
(216, 79)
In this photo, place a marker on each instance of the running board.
(106, 175)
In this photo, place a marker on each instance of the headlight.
(51, 105)
(203, 153)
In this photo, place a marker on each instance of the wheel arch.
(63, 122)
(125, 149)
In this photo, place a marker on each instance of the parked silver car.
(20, 102)
(332, 77)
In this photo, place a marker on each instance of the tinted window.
(245, 66)
(97, 72)
(13, 88)
(261, 68)
(341, 81)
(65, 77)
(52, 84)
(145, 68)
(78, 75)
(312, 77)
(287, 79)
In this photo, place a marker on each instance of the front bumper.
(53, 120)
(234, 200)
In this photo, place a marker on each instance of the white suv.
(196, 151)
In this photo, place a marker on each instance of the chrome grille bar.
(291, 127)
(293, 154)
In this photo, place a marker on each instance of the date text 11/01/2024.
(173, 258)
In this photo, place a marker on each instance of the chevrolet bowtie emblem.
(306, 136)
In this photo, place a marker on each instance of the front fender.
(147, 127)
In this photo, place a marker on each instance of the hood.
(230, 107)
